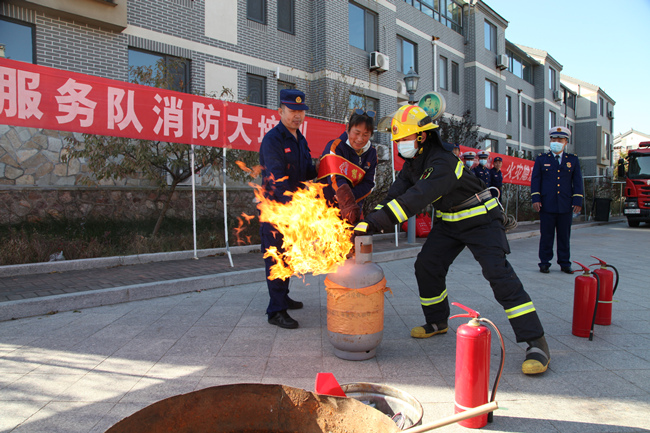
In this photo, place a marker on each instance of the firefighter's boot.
(429, 330)
(537, 357)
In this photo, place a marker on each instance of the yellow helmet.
(407, 120)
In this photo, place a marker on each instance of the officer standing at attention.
(467, 216)
(556, 192)
(481, 171)
(286, 162)
(496, 177)
(468, 157)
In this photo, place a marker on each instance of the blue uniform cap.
(457, 146)
(293, 99)
(498, 158)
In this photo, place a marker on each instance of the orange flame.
(252, 172)
(316, 239)
(240, 228)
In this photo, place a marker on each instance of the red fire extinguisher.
(607, 290)
(473, 366)
(585, 307)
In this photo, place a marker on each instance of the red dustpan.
(327, 384)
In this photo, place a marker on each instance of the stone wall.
(120, 204)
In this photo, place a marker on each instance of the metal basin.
(388, 400)
(256, 408)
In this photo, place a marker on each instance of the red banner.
(517, 171)
(41, 97)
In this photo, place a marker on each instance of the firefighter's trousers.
(489, 245)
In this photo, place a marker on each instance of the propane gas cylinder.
(355, 304)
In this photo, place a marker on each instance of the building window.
(406, 56)
(552, 78)
(490, 95)
(256, 89)
(286, 16)
(530, 117)
(519, 67)
(455, 78)
(600, 106)
(490, 37)
(256, 11)
(508, 108)
(366, 103)
(174, 71)
(442, 72)
(283, 86)
(571, 135)
(448, 12)
(523, 114)
(551, 119)
(18, 39)
(491, 145)
(362, 28)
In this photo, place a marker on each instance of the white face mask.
(469, 164)
(556, 146)
(407, 148)
(482, 162)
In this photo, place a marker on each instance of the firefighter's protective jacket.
(435, 176)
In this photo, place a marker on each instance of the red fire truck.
(637, 185)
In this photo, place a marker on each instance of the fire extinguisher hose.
(500, 372)
(616, 284)
(593, 321)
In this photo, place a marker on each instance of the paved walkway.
(83, 369)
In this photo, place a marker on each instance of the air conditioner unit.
(557, 97)
(502, 61)
(401, 88)
(610, 114)
(378, 61)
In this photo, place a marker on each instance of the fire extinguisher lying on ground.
(473, 366)
(585, 307)
(607, 290)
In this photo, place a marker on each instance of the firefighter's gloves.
(350, 210)
(364, 228)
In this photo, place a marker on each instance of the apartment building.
(342, 53)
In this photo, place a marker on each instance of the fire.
(240, 228)
(316, 239)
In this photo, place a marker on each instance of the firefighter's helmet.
(407, 120)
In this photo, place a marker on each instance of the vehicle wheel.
(632, 223)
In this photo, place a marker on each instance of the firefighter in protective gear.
(466, 216)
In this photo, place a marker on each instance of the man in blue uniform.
(466, 216)
(481, 171)
(348, 166)
(556, 192)
(468, 158)
(286, 162)
(496, 176)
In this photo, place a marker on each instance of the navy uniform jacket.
(281, 155)
(367, 161)
(558, 188)
(482, 173)
(496, 178)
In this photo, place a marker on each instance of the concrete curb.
(107, 262)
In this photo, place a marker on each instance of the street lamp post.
(411, 80)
